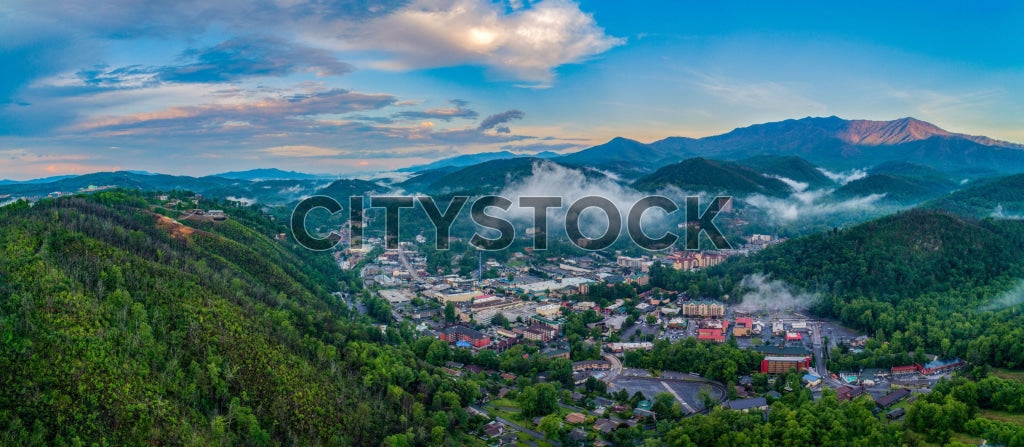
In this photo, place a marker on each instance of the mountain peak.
(879, 133)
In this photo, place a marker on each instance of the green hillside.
(699, 174)
(985, 198)
(896, 188)
(791, 167)
(122, 327)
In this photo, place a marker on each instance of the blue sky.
(347, 87)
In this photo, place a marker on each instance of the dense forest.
(123, 327)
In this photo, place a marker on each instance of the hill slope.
(124, 327)
(790, 167)
(699, 174)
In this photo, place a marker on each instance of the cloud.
(793, 184)
(442, 113)
(522, 44)
(764, 294)
(810, 204)
(1011, 298)
(540, 147)
(843, 178)
(238, 58)
(266, 111)
(500, 118)
(760, 94)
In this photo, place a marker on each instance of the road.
(535, 434)
(686, 406)
(408, 267)
(819, 357)
(616, 368)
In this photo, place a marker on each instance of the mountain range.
(831, 142)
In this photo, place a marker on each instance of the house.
(889, 399)
(812, 380)
(494, 429)
(643, 409)
(847, 392)
(605, 426)
(575, 418)
(745, 405)
(896, 413)
(577, 436)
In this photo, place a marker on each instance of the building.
(643, 409)
(812, 380)
(548, 310)
(716, 335)
(794, 336)
(583, 305)
(846, 392)
(689, 260)
(889, 399)
(744, 327)
(745, 405)
(575, 418)
(592, 365)
(940, 366)
(623, 347)
(704, 309)
(454, 334)
(903, 372)
(778, 365)
(782, 351)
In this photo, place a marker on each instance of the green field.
(1014, 418)
(1008, 374)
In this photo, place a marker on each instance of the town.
(602, 321)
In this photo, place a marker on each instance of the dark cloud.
(500, 118)
(252, 56)
(502, 129)
(230, 60)
(540, 147)
(442, 113)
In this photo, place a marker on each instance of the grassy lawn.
(1003, 416)
(1008, 374)
(965, 439)
(505, 408)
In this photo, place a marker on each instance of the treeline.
(118, 329)
(721, 362)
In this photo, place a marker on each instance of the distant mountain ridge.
(831, 142)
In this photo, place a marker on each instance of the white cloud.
(843, 178)
(524, 44)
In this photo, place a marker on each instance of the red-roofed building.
(711, 334)
(794, 336)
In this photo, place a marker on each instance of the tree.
(449, 312)
(551, 426)
(560, 370)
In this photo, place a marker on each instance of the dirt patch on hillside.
(176, 229)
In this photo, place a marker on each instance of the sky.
(195, 88)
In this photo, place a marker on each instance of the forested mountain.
(121, 326)
(899, 189)
(699, 174)
(1000, 198)
(791, 167)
